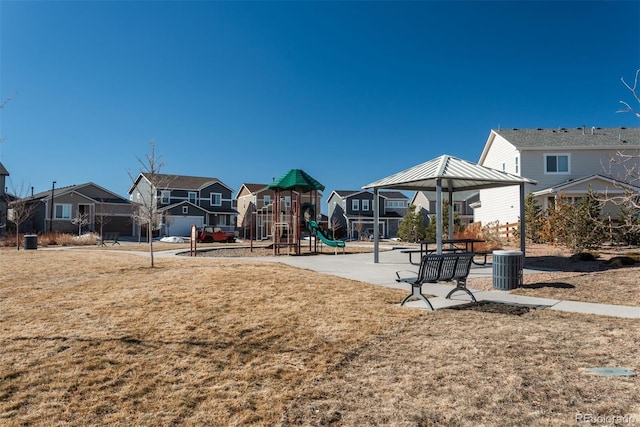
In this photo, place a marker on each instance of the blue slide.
(318, 231)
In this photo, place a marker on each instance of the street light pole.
(53, 186)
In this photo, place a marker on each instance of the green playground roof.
(296, 179)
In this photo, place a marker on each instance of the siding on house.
(181, 198)
(589, 152)
(356, 220)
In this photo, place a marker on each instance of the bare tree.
(102, 217)
(20, 210)
(146, 211)
(624, 166)
(81, 219)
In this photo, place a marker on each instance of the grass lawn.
(100, 338)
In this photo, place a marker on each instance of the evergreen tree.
(412, 228)
(457, 223)
(533, 219)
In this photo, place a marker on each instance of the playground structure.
(286, 217)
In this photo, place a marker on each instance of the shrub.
(491, 233)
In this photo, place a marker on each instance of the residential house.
(78, 209)
(3, 199)
(255, 208)
(425, 202)
(351, 213)
(183, 201)
(567, 161)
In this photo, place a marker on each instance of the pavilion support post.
(439, 216)
(451, 211)
(376, 232)
(523, 231)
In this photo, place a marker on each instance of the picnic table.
(454, 245)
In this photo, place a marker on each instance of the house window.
(556, 163)
(63, 211)
(193, 196)
(266, 199)
(396, 204)
(165, 195)
(222, 220)
(185, 210)
(216, 199)
(287, 201)
(365, 205)
(355, 205)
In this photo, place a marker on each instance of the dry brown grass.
(598, 281)
(99, 338)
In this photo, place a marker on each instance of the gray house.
(183, 201)
(351, 213)
(78, 208)
(425, 202)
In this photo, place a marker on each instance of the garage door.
(181, 225)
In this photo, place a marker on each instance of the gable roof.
(255, 188)
(3, 170)
(115, 198)
(581, 137)
(616, 186)
(453, 173)
(182, 182)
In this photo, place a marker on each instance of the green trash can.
(31, 241)
(507, 269)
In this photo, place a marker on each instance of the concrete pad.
(601, 309)
(507, 298)
(437, 303)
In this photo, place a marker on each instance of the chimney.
(593, 130)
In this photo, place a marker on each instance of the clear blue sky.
(350, 92)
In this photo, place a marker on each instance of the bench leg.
(484, 262)
(461, 286)
(411, 260)
(416, 291)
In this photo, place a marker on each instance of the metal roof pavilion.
(451, 174)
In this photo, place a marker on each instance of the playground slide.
(316, 230)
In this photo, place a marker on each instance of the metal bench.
(110, 235)
(439, 268)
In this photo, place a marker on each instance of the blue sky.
(350, 92)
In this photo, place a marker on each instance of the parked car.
(209, 234)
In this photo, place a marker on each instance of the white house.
(567, 161)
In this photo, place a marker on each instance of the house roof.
(616, 186)
(453, 174)
(186, 182)
(182, 182)
(580, 137)
(255, 188)
(78, 189)
(3, 170)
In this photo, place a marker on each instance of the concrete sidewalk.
(362, 268)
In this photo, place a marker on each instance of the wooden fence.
(508, 232)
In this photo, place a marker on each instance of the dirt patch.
(494, 307)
